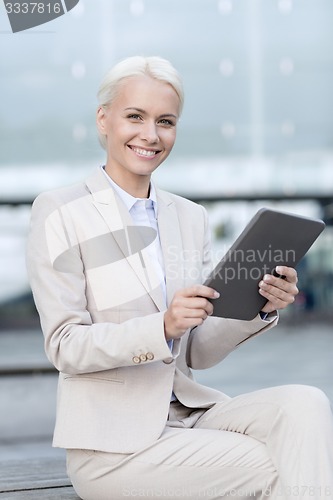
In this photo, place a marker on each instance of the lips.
(146, 153)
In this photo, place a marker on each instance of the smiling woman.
(126, 319)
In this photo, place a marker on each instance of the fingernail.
(216, 295)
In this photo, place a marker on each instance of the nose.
(149, 132)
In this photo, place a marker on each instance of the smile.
(144, 152)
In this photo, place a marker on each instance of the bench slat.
(35, 473)
(64, 493)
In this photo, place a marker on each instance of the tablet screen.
(270, 239)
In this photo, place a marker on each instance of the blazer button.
(143, 357)
(150, 356)
(136, 360)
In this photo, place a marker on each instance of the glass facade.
(258, 116)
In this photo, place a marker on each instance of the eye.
(134, 116)
(166, 122)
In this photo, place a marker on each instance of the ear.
(100, 120)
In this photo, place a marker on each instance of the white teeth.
(144, 152)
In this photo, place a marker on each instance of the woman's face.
(140, 129)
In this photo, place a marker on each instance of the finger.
(191, 307)
(274, 305)
(278, 300)
(199, 303)
(277, 295)
(181, 302)
(195, 313)
(269, 282)
(185, 311)
(199, 291)
(180, 327)
(188, 318)
(289, 272)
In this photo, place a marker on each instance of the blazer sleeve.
(211, 342)
(73, 342)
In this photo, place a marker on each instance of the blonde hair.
(153, 66)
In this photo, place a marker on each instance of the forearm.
(83, 348)
(211, 342)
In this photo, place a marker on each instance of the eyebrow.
(142, 111)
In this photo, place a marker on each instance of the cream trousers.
(273, 443)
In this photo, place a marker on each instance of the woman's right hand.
(189, 308)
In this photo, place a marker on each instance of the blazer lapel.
(130, 239)
(171, 242)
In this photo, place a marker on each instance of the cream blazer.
(101, 309)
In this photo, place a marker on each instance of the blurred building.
(257, 122)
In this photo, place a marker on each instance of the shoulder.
(49, 201)
(63, 194)
(72, 194)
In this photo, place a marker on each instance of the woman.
(125, 321)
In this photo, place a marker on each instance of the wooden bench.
(33, 479)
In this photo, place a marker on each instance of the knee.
(311, 394)
(306, 398)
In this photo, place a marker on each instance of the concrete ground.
(300, 353)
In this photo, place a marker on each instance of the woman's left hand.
(279, 292)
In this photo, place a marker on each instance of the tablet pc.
(271, 238)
